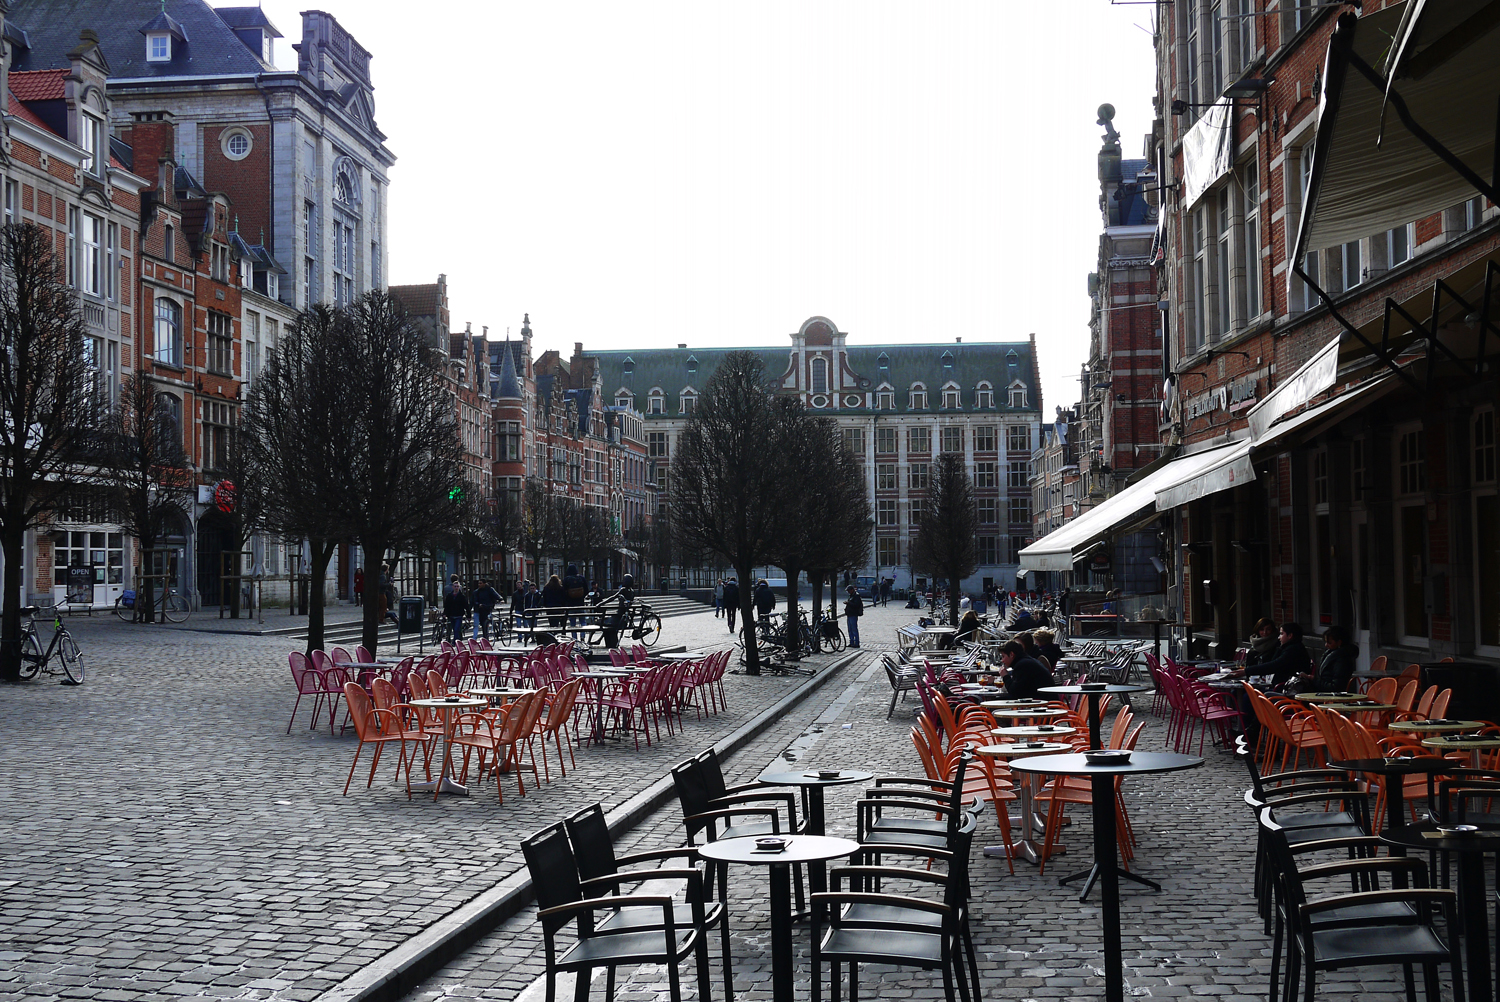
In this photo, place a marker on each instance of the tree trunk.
(374, 556)
(747, 620)
(145, 587)
(322, 553)
(953, 596)
(13, 546)
(817, 608)
(792, 637)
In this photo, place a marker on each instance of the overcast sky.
(652, 173)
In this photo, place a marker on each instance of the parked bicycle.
(171, 606)
(645, 624)
(34, 659)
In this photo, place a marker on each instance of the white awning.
(1059, 549)
(1372, 167)
(1207, 151)
(1286, 432)
(1315, 376)
(1231, 470)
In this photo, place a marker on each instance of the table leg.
(1471, 898)
(814, 809)
(1027, 823)
(781, 932)
(1109, 882)
(444, 784)
(1093, 698)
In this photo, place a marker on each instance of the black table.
(1102, 778)
(1470, 850)
(1395, 796)
(812, 786)
(799, 849)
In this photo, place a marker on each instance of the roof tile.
(38, 85)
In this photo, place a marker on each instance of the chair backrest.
(319, 660)
(362, 653)
(1407, 695)
(306, 680)
(359, 709)
(385, 693)
(1411, 671)
(1440, 704)
(437, 686)
(340, 654)
(1384, 690)
(693, 792)
(593, 848)
(554, 872)
(1424, 702)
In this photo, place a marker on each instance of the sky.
(656, 173)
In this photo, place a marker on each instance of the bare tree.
(144, 475)
(540, 533)
(725, 485)
(46, 405)
(945, 546)
(843, 520)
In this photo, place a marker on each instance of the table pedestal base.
(443, 785)
(1092, 873)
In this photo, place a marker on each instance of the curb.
(398, 972)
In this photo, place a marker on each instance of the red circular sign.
(224, 496)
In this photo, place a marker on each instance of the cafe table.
(1093, 692)
(813, 782)
(366, 670)
(598, 678)
(1010, 704)
(447, 707)
(1106, 861)
(1399, 768)
(1460, 742)
(1442, 726)
(1027, 820)
(1033, 731)
(1036, 712)
(1473, 901)
(797, 849)
(1331, 697)
(503, 695)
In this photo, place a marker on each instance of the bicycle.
(34, 659)
(830, 633)
(171, 606)
(645, 625)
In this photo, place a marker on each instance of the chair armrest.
(734, 812)
(1384, 864)
(867, 898)
(1433, 895)
(1342, 842)
(916, 805)
(572, 908)
(686, 851)
(943, 784)
(894, 872)
(693, 877)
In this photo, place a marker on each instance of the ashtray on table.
(1458, 829)
(771, 845)
(1107, 756)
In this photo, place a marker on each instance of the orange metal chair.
(375, 727)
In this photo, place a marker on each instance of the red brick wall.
(247, 182)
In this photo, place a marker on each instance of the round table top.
(1424, 835)
(1365, 707)
(447, 703)
(1017, 749)
(1021, 711)
(365, 664)
(977, 690)
(1078, 765)
(1080, 657)
(1030, 729)
(499, 693)
(612, 673)
(812, 778)
(1009, 704)
(1394, 766)
(493, 653)
(1092, 690)
(1459, 742)
(1436, 726)
(1329, 697)
(799, 849)
(940, 629)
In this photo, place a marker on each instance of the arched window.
(169, 418)
(984, 395)
(345, 183)
(168, 332)
(657, 403)
(820, 375)
(918, 398)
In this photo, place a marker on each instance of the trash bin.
(409, 614)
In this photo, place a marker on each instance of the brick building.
(1331, 277)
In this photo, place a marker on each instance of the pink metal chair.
(309, 682)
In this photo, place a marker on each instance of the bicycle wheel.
(649, 632)
(72, 659)
(834, 639)
(175, 608)
(31, 656)
(125, 612)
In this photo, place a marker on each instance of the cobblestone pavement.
(1199, 937)
(165, 836)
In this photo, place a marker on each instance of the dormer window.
(689, 402)
(884, 361)
(951, 398)
(820, 375)
(692, 363)
(984, 396)
(162, 33)
(628, 366)
(159, 48)
(657, 403)
(947, 359)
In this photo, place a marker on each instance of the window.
(885, 477)
(688, 403)
(989, 510)
(236, 144)
(1191, 30)
(1346, 271)
(217, 426)
(820, 375)
(1020, 473)
(1320, 477)
(917, 400)
(984, 475)
(112, 262)
(343, 263)
(885, 511)
(1412, 462)
(252, 345)
(953, 439)
(984, 438)
(169, 414)
(218, 267)
(916, 477)
(1250, 302)
(1464, 216)
(984, 397)
(1018, 438)
(103, 551)
(93, 255)
(885, 441)
(918, 440)
(72, 263)
(914, 511)
(989, 550)
(1484, 447)
(510, 441)
(168, 333)
(1020, 511)
(168, 244)
(1299, 14)
(854, 441)
(1397, 245)
(220, 343)
(1018, 396)
(656, 444)
(1245, 24)
(12, 201)
(657, 403)
(1225, 318)
(623, 400)
(158, 48)
(344, 185)
(951, 399)
(1197, 321)
(91, 138)
(885, 400)
(885, 551)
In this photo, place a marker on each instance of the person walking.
(731, 601)
(456, 606)
(359, 586)
(765, 600)
(554, 596)
(388, 595)
(485, 599)
(718, 598)
(854, 607)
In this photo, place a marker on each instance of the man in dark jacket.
(731, 601)
(455, 607)
(765, 599)
(854, 608)
(1025, 675)
(1290, 660)
(485, 599)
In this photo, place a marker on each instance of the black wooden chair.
(883, 818)
(594, 850)
(560, 903)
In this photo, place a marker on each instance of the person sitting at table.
(1291, 658)
(530, 602)
(554, 596)
(1024, 675)
(1046, 646)
(1337, 667)
(1023, 622)
(1263, 644)
(967, 628)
